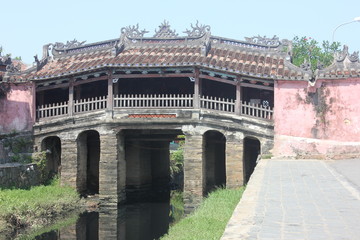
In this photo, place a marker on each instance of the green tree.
(307, 49)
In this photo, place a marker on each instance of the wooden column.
(197, 87)
(110, 97)
(238, 96)
(71, 98)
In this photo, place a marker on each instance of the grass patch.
(35, 207)
(210, 219)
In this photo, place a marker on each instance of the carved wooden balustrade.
(151, 101)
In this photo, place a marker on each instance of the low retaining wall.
(18, 175)
(289, 146)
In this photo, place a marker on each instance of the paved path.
(298, 199)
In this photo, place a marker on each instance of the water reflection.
(138, 221)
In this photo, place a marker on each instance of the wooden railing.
(90, 104)
(165, 101)
(153, 101)
(52, 110)
(256, 110)
(217, 104)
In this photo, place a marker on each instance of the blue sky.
(27, 25)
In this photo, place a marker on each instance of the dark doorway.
(88, 162)
(215, 173)
(251, 153)
(52, 147)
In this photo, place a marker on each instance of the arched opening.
(147, 156)
(215, 173)
(251, 152)
(52, 147)
(88, 144)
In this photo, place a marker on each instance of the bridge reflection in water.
(137, 221)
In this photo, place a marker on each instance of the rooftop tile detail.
(259, 57)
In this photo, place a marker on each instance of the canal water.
(136, 221)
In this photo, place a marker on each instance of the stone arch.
(252, 150)
(147, 157)
(52, 146)
(214, 160)
(88, 159)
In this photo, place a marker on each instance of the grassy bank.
(210, 219)
(35, 207)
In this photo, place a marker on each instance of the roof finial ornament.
(354, 57)
(165, 31)
(340, 56)
(306, 65)
(69, 44)
(133, 31)
(5, 60)
(274, 41)
(198, 30)
(12, 68)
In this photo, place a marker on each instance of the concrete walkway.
(299, 199)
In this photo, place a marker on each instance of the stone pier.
(111, 182)
(234, 161)
(193, 171)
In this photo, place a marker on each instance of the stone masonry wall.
(18, 175)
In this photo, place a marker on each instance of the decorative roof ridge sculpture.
(258, 56)
(5, 60)
(165, 31)
(344, 65)
(130, 36)
(198, 30)
(264, 41)
(341, 56)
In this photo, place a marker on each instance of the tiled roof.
(248, 60)
(256, 57)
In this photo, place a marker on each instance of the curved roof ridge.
(344, 65)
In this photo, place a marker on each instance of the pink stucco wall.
(16, 110)
(319, 120)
